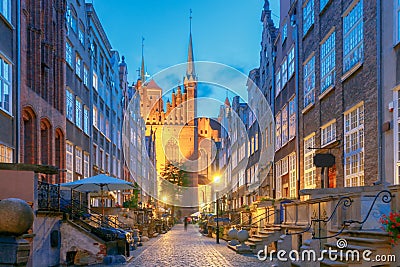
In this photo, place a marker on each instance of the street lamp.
(217, 180)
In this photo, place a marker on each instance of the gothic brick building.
(42, 84)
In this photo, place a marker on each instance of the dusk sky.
(227, 32)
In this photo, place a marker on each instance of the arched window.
(29, 136)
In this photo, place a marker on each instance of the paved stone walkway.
(190, 249)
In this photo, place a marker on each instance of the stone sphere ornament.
(242, 235)
(233, 233)
(16, 217)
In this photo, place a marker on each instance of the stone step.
(255, 240)
(264, 232)
(349, 247)
(364, 240)
(330, 263)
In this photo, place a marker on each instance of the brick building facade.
(42, 100)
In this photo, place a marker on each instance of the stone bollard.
(16, 219)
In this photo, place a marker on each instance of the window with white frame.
(292, 119)
(78, 160)
(78, 113)
(95, 81)
(278, 180)
(5, 9)
(70, 105)
(107, 130)
(114, 168)
(284, 72)
(397, 22)
(85, 75)
(278, 82)
(284, 32)
(309, 82)
(278, 133)
(6, 154)
(95, 156)
(86, 129)
(81, 34)
(328, 133)
(285, 166)
(308, 16)
(78, 65)
(309, 167)
(252, 145)
(69, 162)
(68, 53)
(328, 62)
(5, 86)
(256, 178)
(73, 20)
(354, 146)
(101, 122)
(86, 165)
(292, 176)
(95, 117)
(290, 60)
(285, 128)
(353, 35)
(322, 4)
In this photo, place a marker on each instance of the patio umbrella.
(98, 183)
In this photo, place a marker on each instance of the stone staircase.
(357, 242)
(264, 238)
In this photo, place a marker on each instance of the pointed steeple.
(142, 69)
(190, 72)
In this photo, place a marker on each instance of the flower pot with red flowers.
(391, 224)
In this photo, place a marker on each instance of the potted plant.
(391, 224)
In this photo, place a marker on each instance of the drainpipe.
(273, 112)
(381, 149)
(297, 102)
(18, 91)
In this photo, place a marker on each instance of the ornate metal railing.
(48, 197)
(346, 202)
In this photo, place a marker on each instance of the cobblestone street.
(190, 248)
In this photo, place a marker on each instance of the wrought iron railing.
(48, 197)
(386, 197)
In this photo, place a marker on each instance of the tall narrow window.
(5, 86)
(353, 36)
(278, 175)
(292, 176)
(309, 82)
(86, 165)
(397, 22)
(68, 53)
(85, 75)
(328, 133)
(278, 134)
(285, 132)
(70, 105)
(309, 167)
(78, 160)
(308, 16)
(69, 160)
(95, 117)
(278, 82)
(328, 62)
(86, 120)
(292, 119)
(284, 72)
(73, 20)
(95, 81)
(284, 32)
(290, 60)
(78, 65)
(354, 146)
(78, 113)
(81, 33)
(5, 8)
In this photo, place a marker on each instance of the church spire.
(142, 70)
(190, 62)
